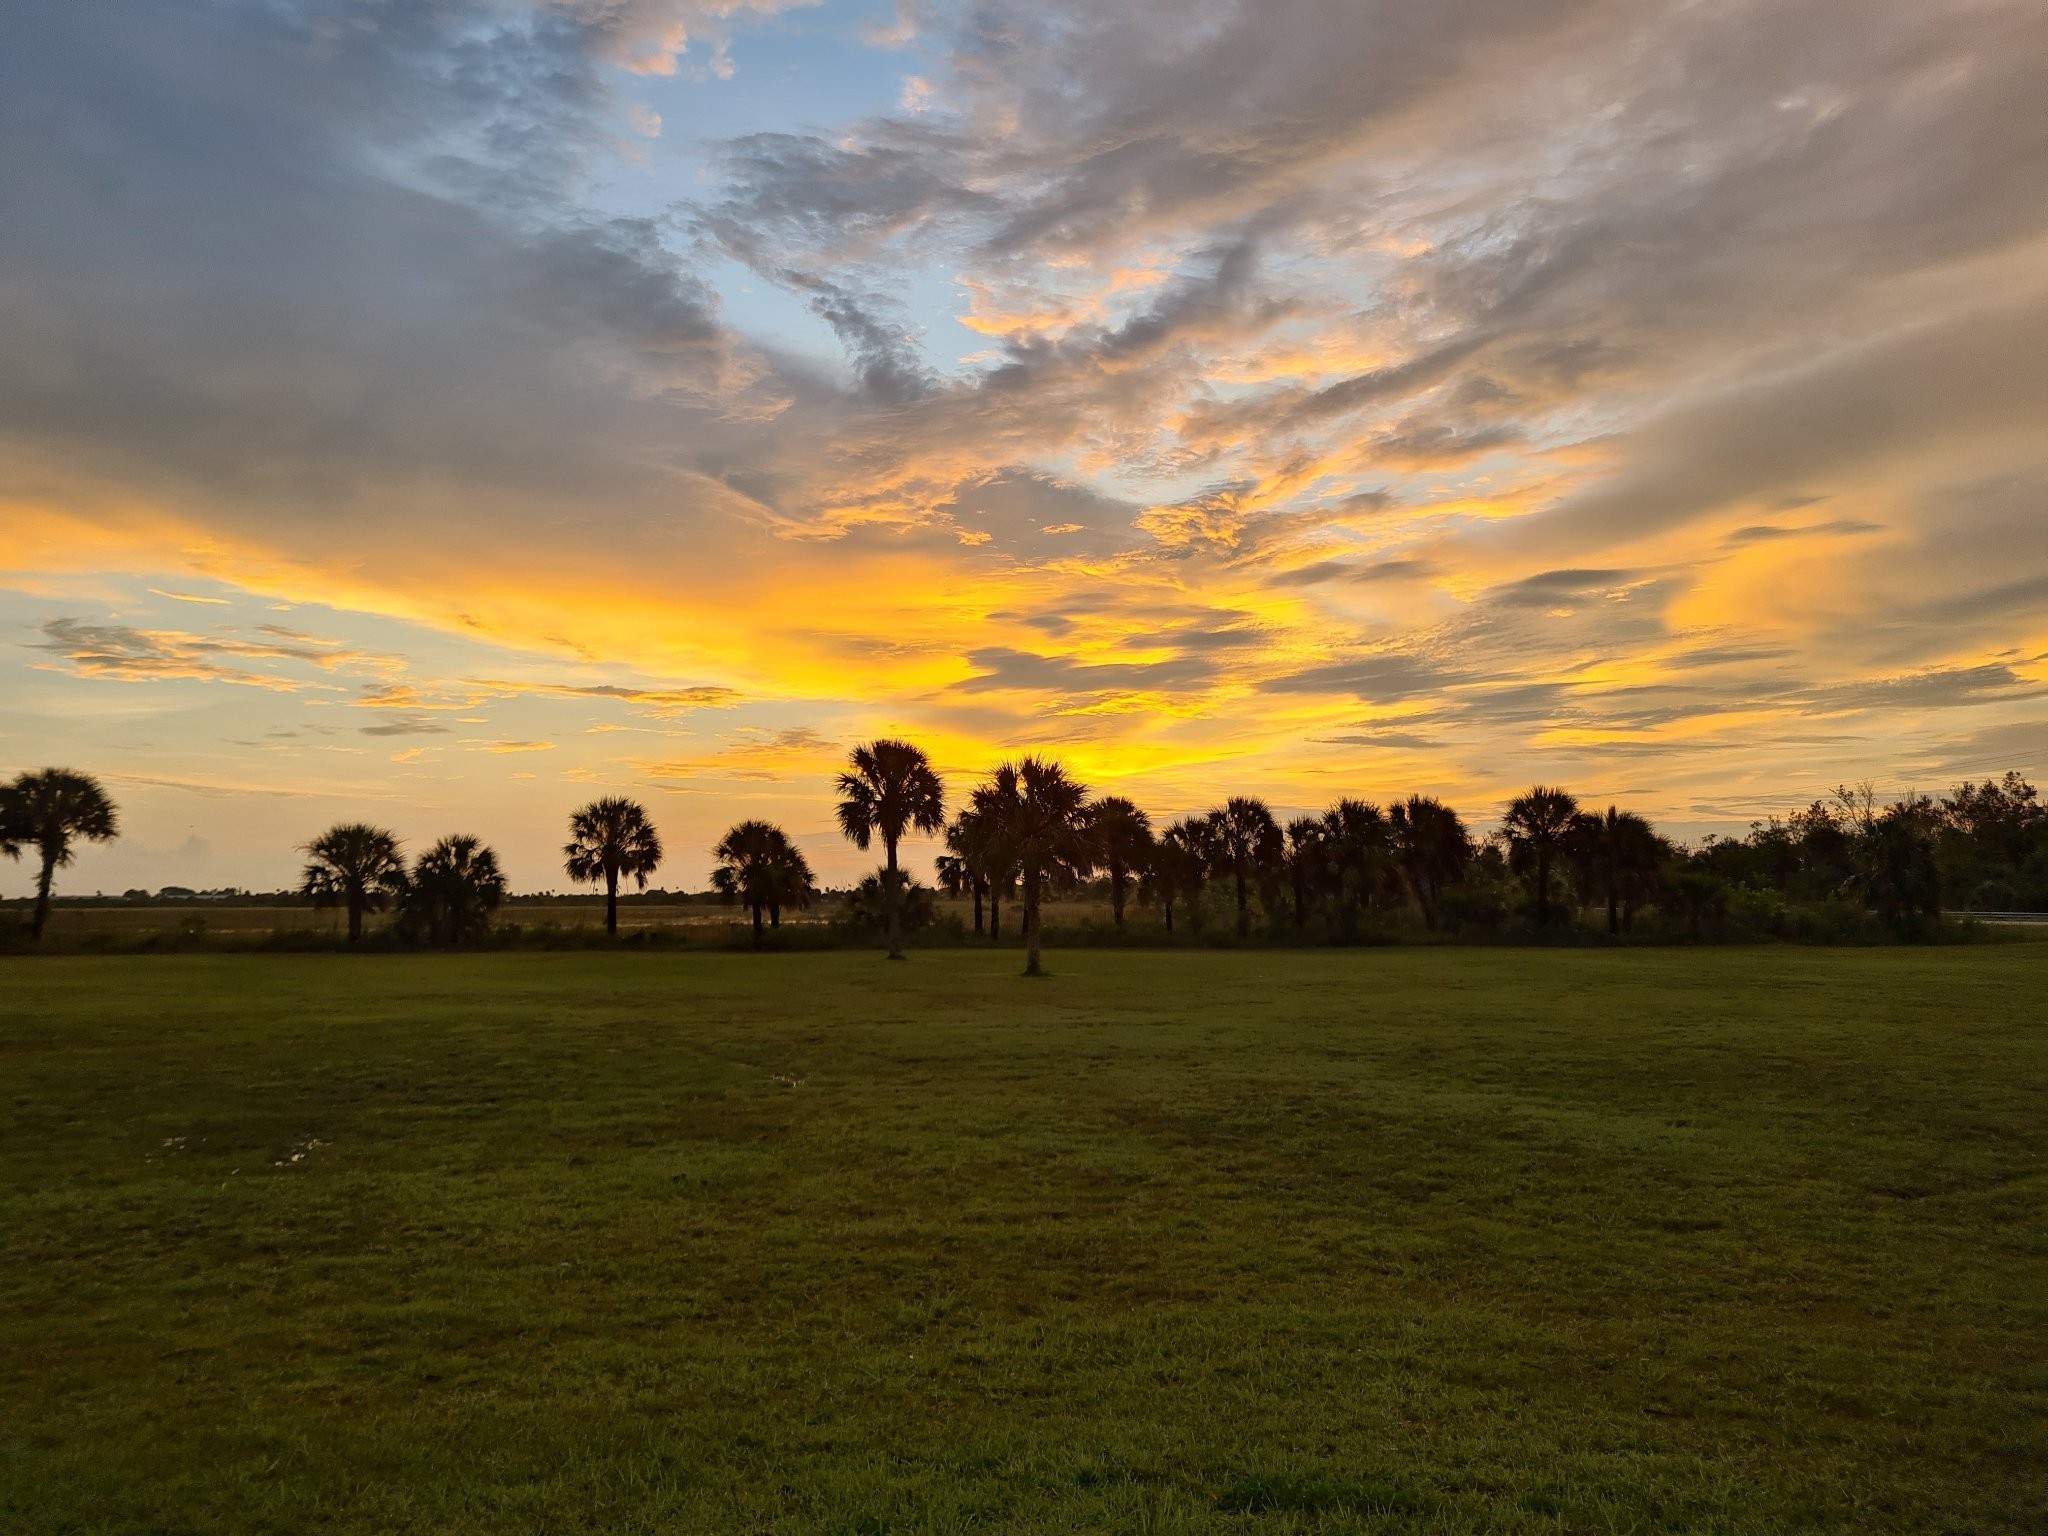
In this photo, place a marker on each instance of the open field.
(1740, 1240)
(244, 922)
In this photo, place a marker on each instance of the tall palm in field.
(1433, 848)
(1616, 852)
(1248, 843)
(759, 867)
(50, 811)
(1043, 813)
(1180, 865)
(890, 788)
(454, 888)
(1538, 827)
(356, 866)
(1122, 836)
(608, 839)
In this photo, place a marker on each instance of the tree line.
(1029, 829)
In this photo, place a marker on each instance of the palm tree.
(1180, 864)
(49, 811)
(1433, 848)
(759, 866)
(1249, 844)
(1123, 845)
(1537, 827)
(889, 789)
(1043, 816)
(455, 887)
(356, 865)
(1308, 863)
(982, 844)
(1356, 834)
(1615, 852)
(609, 838)
(956, 868)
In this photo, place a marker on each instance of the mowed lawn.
(1737, 1240)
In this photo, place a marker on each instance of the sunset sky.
(442, 411)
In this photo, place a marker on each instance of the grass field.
(249, 922)
(1507, 1241)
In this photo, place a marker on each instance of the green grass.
(1397, 1240)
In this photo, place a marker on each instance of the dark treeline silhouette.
(1847, 866)
(1843, 868)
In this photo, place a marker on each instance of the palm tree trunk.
(1169, 914)
(757, 925)
(355, 916)
(995, 914)
(1116, 893)
(611, 902)
(1244, 907)
(774, 914)
(977, 909)
(1542, 891)
(1031, 922)
(42, 912)
(891, 903)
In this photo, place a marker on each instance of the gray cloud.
(406, 725)
(124, 653)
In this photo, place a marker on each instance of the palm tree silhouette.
(1433, 848)
(1615, 852)
(455, 887)
(356, 866)
(760, 867)
(1538, 826)
(1043, 816)
(982, 844)
(1359, 839)
(956, 869)
(890, 788)
(1308, 863)
(1122, 836)
(609, 838)
(1249, 844)
(49, 811)
(1180, 865)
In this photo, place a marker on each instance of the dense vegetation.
(1502, 1241)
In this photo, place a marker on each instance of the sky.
(442, 412)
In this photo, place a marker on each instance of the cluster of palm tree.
(1353, 858)
(446, 898)
(1029, 828)
(760, 868)
(449, 894)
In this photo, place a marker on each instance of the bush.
(866, 917)
(1758, 914)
